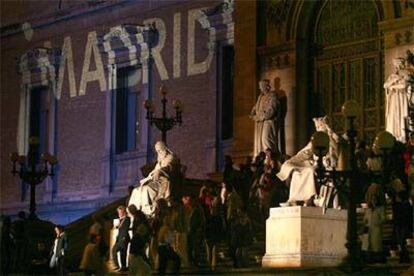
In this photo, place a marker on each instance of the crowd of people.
(186, 231)
(183, 232)
(17, 256)
(386, 182)
(230, 212)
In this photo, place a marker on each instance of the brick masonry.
(81, 119)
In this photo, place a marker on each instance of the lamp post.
(409, 119)
(164, 123)
(346, 180)
(31, 171)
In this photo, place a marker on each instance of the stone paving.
(376, 269)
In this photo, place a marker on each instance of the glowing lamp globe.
(177, 105)
(350, 109)
(163, 90)
(320, 142)
(384, 141)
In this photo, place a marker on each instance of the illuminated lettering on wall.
(96, 75)
(156, 51)
(66, 62)
(92, 54)
(194, 68)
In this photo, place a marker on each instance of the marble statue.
(264, 113)
(158, 183)
(300, 168)
(398, 92)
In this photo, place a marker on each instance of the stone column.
(245, 79)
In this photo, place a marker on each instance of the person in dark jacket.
(6, 245)
(241, 238)
(138, 262)
(403, 221)
(58, 250)
(39, 262)
(122, 239)
(20, 243)
(195, 223)
(213, 232)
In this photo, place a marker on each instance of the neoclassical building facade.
(76, 74)
(318, 54)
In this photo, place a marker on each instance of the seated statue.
(300, 168)
(158, 182)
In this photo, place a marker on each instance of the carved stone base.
(305, 237)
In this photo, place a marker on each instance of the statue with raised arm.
(398, 94)
(300, 168)
(158, 183)
(264, 113)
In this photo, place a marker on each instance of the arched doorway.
(347, 64)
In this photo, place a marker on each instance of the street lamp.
(31, 171)
(164, 123)
(346, 180)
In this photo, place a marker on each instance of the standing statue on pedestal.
(158, 183)
(398, 94)
(264, 113)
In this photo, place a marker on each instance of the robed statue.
(300, 169)
(265, 115)
(398, 95)
(158, 183)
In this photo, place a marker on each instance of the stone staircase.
(253, 259)
(78, 231)
(387, 234)
(78, 236)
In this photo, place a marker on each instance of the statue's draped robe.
(165, 172)
(264, 113)
(301, 169)
(396, 110)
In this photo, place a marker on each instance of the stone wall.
(81, 110)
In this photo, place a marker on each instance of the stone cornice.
(124, 41)
(278, 49)
(398, 32)
(276, 57)
(219, 20)
(396, 24)
(59, 15)
(39, 57)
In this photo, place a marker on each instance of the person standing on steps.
(122, 239)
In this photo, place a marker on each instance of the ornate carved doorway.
(348, 64)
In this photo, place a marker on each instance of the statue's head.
(160, 147)
(398, 63)
(264, 85)
(321, 123)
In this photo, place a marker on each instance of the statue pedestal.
(305, 237)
